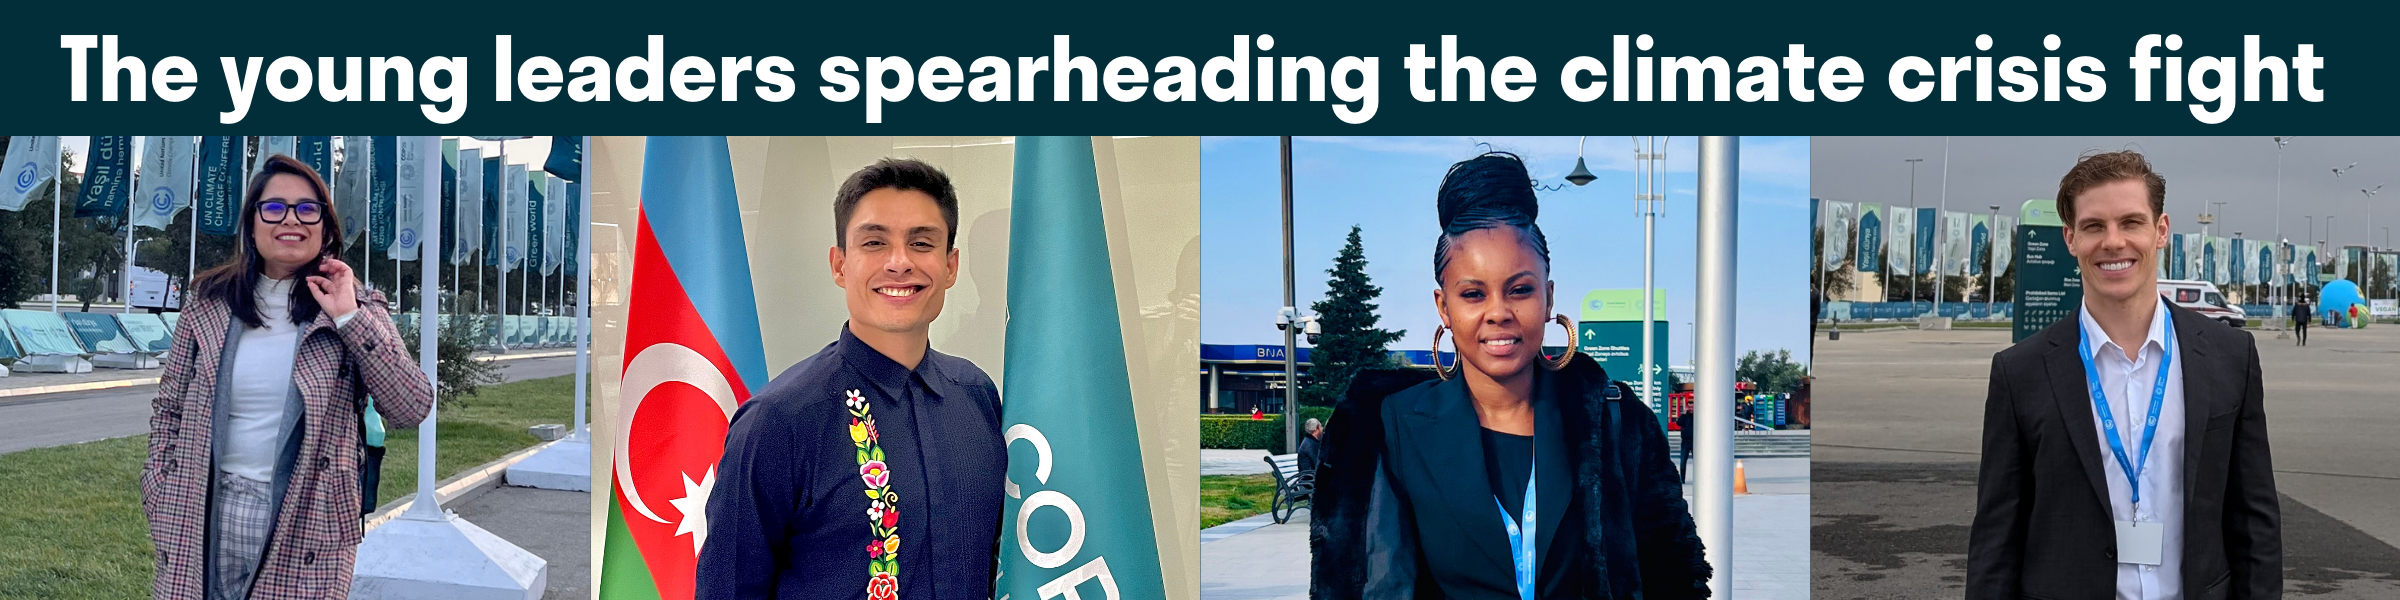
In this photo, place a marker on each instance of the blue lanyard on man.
(1520, 542)
(2108, 421)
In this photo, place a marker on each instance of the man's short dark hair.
(904, 174)
(2103, 168)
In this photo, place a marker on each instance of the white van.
(2204, 298)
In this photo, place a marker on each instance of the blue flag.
(107, 177)
(1078, 515)
(566, 158)
(491, 211)
(220, 189)
(317, 151)
(380, 189)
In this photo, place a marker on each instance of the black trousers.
(2302, 332)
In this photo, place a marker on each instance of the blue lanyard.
(1520, 549)
(2108, 419)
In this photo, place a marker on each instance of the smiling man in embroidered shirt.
(873, 469)
(2125, 450)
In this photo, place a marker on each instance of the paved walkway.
(1254, 559)
(1232, 462)
(552, 524)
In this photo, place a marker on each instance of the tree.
(1350, 341)
(1773, 373)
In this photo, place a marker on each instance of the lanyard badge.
(2108, 421)
(1520, 544)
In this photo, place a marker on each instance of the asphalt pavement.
(1897, 438)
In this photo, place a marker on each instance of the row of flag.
(1902, 241)
(210, 173)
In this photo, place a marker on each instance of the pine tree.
(1349, 340)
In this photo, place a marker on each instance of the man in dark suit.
(2177, 498)
(1311, 445)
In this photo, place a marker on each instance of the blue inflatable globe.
(2336, 299)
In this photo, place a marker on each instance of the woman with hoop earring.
(1504, 473)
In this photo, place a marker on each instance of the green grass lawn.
(1225, 498)
(71, 521)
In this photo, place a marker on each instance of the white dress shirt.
(2128, 387)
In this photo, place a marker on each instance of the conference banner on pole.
(411, 155)
(1870, 237)
(1954, 243)
(537, 194)
(574, 232)
(1929, 222)
(467, 221)
(165, 180)
(554, 224)
(448, 252)
(2004, 239)
(27, 168)
(220, 184)
(2194, 261)
(495, 202)
(2220, 271)
(1979, 244)
(351, 194)
(517, 198)
(566, 158)
(380, 188)
(2237, 261)
(1903, 243)
(1837, 234)
(316, 150)
(280, 144)
(107, 177)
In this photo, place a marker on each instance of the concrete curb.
(459, 487)
(135, 381)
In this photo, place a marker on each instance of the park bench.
(1292, 486)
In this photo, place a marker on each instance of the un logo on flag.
(408, 237)
(162, 200)
(24, 181)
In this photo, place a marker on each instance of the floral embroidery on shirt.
(883, 507)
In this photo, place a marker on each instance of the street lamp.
(2280, 142)
(1649, 177)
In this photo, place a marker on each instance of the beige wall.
(1150, 192)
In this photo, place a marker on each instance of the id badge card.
(2141, 543)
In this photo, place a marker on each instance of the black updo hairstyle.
(1488, 191)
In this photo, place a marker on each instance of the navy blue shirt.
(790, 516)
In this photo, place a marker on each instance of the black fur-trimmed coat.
(1627, 500)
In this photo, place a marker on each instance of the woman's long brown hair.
(234, 283)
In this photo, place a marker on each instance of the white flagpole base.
(410, 558)
(124, 361)
(3, 370)
(565, 465)
(54, 363)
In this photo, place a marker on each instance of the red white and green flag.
(692, 355)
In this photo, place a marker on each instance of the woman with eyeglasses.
(252, 485)
(1504, 473)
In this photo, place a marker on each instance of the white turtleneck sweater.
(262, 384)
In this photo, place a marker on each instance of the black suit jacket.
(2042, 523)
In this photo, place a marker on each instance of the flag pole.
(125, 291)
(583, 290)
(58, 206)
(427, 506)
(191, 262)
(499, 327)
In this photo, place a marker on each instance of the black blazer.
(1404, 508)
(2043, 527)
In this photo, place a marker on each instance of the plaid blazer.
(317, 528)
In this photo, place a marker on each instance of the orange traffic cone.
(1741, 480)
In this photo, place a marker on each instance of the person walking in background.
(252, 483)
(1311, 445)
(2161, 443)
(1683, 424)
(2300, 318)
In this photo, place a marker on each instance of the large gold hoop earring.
(1438, 368)
(1565, 357)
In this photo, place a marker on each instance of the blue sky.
(1386, 186)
